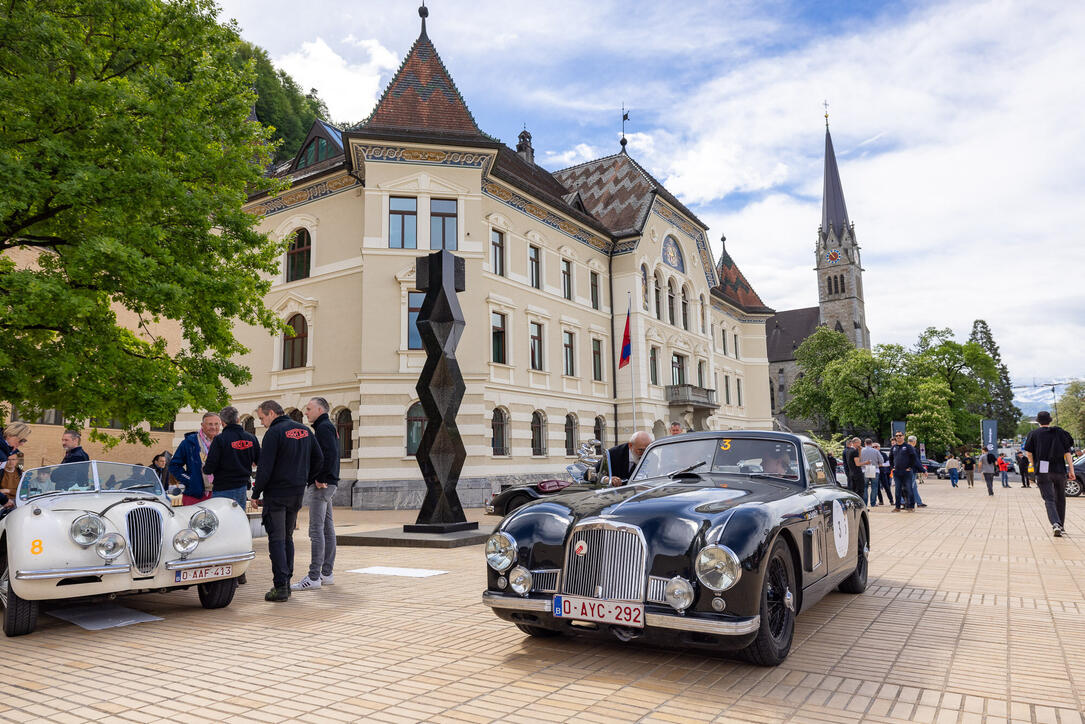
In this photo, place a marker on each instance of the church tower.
(839, 269)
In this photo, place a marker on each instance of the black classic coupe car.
(718, 540)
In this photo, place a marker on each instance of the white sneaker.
(305, 584)
(328, 580)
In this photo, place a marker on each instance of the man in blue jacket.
(324, 481)
(289, 451)
(187, 462)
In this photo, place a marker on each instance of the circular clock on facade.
(833, 257)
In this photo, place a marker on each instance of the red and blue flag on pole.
(627, 344)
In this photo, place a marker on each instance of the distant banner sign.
(989, 433)
(898, 426)
(922, 451)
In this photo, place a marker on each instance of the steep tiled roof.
(618, 191)
(786, 330)
(734, 288)
(423, 97)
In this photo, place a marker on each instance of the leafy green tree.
(808, 397)
(1072, 409)
(932, 421)
(999, 405)
(125, 158)
(868, 390)
(966, 369)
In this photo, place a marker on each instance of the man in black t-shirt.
(1049, 450)
(852, 467)
(969, 464)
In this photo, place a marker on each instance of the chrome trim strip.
(497, 600)
(700, 625)
(189, 563)
(46, 574)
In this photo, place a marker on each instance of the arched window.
(685, 309)
(659, 297)
(570, 435)
(644, 286)
(828, 285)
(600, 432)
(670, 301)
(836, 285)
(248, 424)
(298, 256)
(538, 433)
(295, 346)
(842, 289)
(344, 427)
(295, 415)
(416, 426)
(499, 424)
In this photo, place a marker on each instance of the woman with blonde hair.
(15, 434)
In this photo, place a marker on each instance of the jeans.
(238, 495)
(1005, 478)
(989, 478)
(870, 491)
(905, 485)
(1053, 490)
(954, 476)
(913, 489)
(885, 484)
(280, 516)
(321, 532)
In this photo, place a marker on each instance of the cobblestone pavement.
(975, 613)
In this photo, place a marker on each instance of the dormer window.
(318, 150)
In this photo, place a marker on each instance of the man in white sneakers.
(323, 482)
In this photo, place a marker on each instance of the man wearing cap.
(1049, 449)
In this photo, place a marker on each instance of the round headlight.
(500, 551)
(717, 567)
(520, 580)
(186, 541)
(679, 593)
(87, 529)
(110, 547)
(204, 522)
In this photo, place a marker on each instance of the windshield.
(88, 476)
(741, 456)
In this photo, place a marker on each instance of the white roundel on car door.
(840, 529)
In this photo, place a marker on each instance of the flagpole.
(632, 364)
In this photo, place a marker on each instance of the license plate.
(592, 609)
(200, 574)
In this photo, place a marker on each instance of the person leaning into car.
(624, 458)
(290, 451)
(15, 434)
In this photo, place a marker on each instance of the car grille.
(612, 566)
(145, 538)
(545, 580)
(657, 589)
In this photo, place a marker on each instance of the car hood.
(91, 501)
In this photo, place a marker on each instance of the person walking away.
(953, 466)
(885, 483)
(1022, 467)
(187, 462)
(988, 464)
(852, 469)
(1004, 471)
(969, 464)
(288, 454)
(1050, 450)
(324, 481)
(905, 461)
(870, 459)
(919, 471)
(73, 451)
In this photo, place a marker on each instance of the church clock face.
(833, 257)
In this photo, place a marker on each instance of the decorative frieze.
(529, 207)
(292, 198)
(697, 235)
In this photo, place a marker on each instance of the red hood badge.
(580, 548)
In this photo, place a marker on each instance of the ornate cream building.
(553, 261)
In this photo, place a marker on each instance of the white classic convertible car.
(100, 529)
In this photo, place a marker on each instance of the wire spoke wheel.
(776, 595)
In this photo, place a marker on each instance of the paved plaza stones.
(974, 614)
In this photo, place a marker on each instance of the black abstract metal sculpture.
(440, 387)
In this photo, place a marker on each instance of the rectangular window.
(594, 280)
(442, 224)
(497, 252)
(568, 346)
(402, 223)
(566, 279)
(736, 348)
(700, 374)
(414, 304)
(738, 391)
(536, 345)
(678, 369)
(723, 338)
(597, 360)
(534, 266)
(653, 365)
(727, 389)
(497, 326)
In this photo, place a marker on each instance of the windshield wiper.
(694, 466)
(141, 486)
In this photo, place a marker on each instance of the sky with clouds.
(957, 128)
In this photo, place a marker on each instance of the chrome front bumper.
(731, 627)
(47, 574)
(189, 563)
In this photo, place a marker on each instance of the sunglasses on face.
(22, 440)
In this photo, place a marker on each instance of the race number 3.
(36, 547)
(725, 444)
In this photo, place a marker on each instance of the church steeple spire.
(834, 212)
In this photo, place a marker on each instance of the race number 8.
(36, 547)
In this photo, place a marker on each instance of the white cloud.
(578, 154)
(349, 89)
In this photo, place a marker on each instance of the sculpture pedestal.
(439, 527)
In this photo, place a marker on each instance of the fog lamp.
(679, 593)
(520, 580)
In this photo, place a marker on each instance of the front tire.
(1073, 488)
(773, 642)
(20, 615)
(856, 582)
(217, 594)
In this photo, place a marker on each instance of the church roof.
(619, 192)
(786, 330)
(734, 288)
(833, 211)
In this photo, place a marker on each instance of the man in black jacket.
(73, 450)
(324, 481)
(231, 457)
(623, 458)
(289, 453)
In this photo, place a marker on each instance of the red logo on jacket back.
(241, 444)
(297, 433)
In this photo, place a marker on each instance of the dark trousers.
(1024, 474)
(1053, 490)
(904, 488)
(885, 484)
(989, 478)
(280, 516)
(857, 485)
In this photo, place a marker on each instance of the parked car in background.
(1074, 488)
